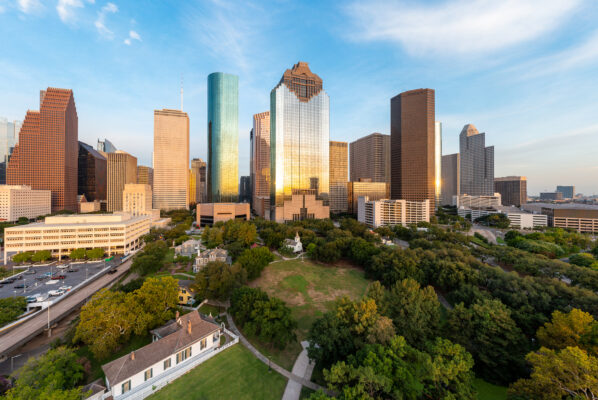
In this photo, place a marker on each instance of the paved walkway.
(303, 367)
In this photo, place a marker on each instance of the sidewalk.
(303, 367)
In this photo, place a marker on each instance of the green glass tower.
(223, 138)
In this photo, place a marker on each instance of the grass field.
(233, 374)
(488, 391)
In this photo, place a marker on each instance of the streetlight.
(12, 363)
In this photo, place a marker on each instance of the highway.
(24, 332)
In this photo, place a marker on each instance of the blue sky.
(523, 71)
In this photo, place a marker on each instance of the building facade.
(370, 158)
(468, 201)
(137, 199)
(210, 213)
(299, 146)
(567, 191)
(477, 163)
(122, 169)
(339, 173)
(413, 146)
(260, 164)
(555, 196)
(512, 189)
(46, 156)
(450, 178)
(373, 190)
(223, 138)
(376, 213)
(9, 137)
(199, 168)
(145, 175)
(245, 189)
(93, 173)
(106, 146)
(171, 160)
(437, 162)
(22, 201)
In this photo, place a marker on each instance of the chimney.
(189, 326)
(132, 356)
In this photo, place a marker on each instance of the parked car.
(56, 292)
(19, 277)
(30, 272)
(20, 286)
(58, 276)
(66, 288)
(52, 282)
(9, 281)
(48, 274)
(72, 270)
(63, 266)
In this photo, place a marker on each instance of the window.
(126, 386)
(167, 364)
(148, 374)
(183, 355)
(203, 344)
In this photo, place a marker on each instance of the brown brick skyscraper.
(46, 155)
(412, 146)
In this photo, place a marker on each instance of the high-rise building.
(260, 164)
(365, 187)
(376, 213)
(438, 162)
(477, 163)
(93, 173)
(567, 191)
(299, 146)
(9, 137)
(245, 189)
(339, 195)
(21, 201)
(122, 169)
(171, 159)
(192, 187)
(370, 158)
(413, 146)
(223, 138)
(137, 199)
(106, 146)
(145, 176)
(450, 178)
(46, 156)
(198, 166)
(512, 189)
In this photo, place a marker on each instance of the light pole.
(12, 362)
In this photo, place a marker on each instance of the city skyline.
(513, 88)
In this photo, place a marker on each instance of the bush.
(77, 254)
(22, 257)
(41, 256)
(11, 308)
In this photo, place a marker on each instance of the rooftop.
(83, 219)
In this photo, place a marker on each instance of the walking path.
(303, 367)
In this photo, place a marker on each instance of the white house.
(295, 245)
(208, 256)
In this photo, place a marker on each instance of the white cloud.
(101, 20)
(132, 36)
(30, 6)
(462, 26)
(65, 9)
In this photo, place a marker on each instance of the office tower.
(171, 159)
(477, 163)
(260, 164)
(93, 173)
(145, 175)
(122, 169)
(512, 189)
(245, 189)
(137, 199)
(450, 178)
(9, 136)
(46, 156)
(567, 191)
(413, 147)
(21, 201)
(198, 166)
(299, 143)
(106, 146)
(192, 187)
(365, 187)
(437, 162)
(223, 138)
(370, 158)
(339, 173)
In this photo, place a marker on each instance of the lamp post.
(12, 361)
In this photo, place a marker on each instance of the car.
(48, 274)
(30, 272)
(58, 276)
(19, 277)
(66, 288)
(9, 281)
(56, 292)
(52, 282)
(41, 297)
(31, 299)
(20, 286)
(41, 278)
(113, 271)
(63, 266)
(72, 270)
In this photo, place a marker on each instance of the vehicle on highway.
(18, 277)
(41, 297)
(30, 272)
(48, 274)
(66, 288)
(112, 271)
(58, 276)
(63, 266)
(57, 292)
(20, 286)
(52, 282)
(31, 299)
(72, 270)
(9, 281)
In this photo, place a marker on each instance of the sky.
(523, 71)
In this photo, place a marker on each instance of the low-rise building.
(477, 202)
(580, 217)
(551, 196)
(294, 245)
(118, 233)
(208, 256)
(188, 248)
(21, 201)
(210, 213)
(186, 292)
(376, 213)
(518, 218)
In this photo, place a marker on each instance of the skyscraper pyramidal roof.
(469, 130)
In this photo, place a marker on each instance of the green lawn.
(233, 374)
(207, 309)
(488, 391)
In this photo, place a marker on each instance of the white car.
(63, 266)
(57, 292)
(41, 297)
(52, 282)
(65, 288)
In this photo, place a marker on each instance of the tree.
(42, 255)
(558, 374)
(239, 231)
(77, 254)
(582, 259)
(158, 298)
(145, 264)
(211, 237)
(575, 328)
(95, 253)
(22, 257)
(217, 279)
(255, 260)
(392, 265)
(11, 308)
(450, 375)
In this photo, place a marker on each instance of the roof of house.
(185, 283)
(174, 338)
(214, 252)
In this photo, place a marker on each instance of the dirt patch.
(331, 295)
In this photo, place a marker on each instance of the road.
(34, 326)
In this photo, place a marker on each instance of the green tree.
(575, 328)
(77, 254)
(212, 237)
(217, 279)
(22, 221)
(22, 257)
(392, 265)
(255, 260)
(239, 231)
(11, 308)
(582, 259)
(42, 255)
(158, 298)
(95, 253)
(450, 375)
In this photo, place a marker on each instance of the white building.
(22, 201)
(468, 201)
(294, 244)
(518, 218)
(118, 233)
(209, 256)
(377, 213)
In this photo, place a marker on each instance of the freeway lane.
(34, 326)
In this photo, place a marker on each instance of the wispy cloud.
(132, 36)
(65, 9)
(100, 24)
(30, 6)
(463, 26)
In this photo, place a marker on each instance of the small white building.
(294, 244)
(518, 219)
(188, 248)
(209, 256)
(22, 201)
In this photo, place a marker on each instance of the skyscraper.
(198, 166)
(9, 136)
(245, 189)
(171, 160)
(106, 146)
(567, 191)
(299, 146)
(47, 152)
(450, 178)
(370, 158)
(477, 163)
(93, 170)
(512, 189)
(338, 177)
(438, 161)
(145, 175)
(413, 147)
(122, 169)
(260, 164)
(223, 138)
(192, 187)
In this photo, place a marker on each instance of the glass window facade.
(9, 136)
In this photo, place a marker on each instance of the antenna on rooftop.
(181, 92)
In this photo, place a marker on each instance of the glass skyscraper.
(223, 138)
(299, 144)
(477, 163)
(9, 137)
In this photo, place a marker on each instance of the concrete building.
(413, 146)
(45, 157)
(299, 144)
(22, 201)
(468, 201)
(92, 173)
(519, 219)
(137, 200)
(122, 169)
(567, 191)
(171, 160)
(373, 190)
(450, 178)
(199, 168)
(512, 189)
(580, 217)
(339, 172)
(210, 213)
(145, 175)
(223, 138)
(116, 233)
(555, 196)
(260, 164)
(106, 146)
(376, 213)
(370, 158)
(188, 248)
(210, 255)
(9, 137)
(476, 163)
